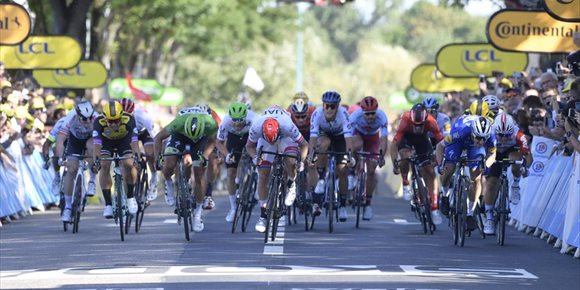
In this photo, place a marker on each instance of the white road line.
(170, 221)
(276, 247)
(400, 221)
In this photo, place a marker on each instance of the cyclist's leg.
(264, 170)
(105, 180)
(371, 144)
(288, 146)
(148, 147)
(452, 154)
(339, 145)
(74, 146)
(474, 153)
(405, 151)
(357, 143)
(515, 155)
(424, 149)
(91, 185)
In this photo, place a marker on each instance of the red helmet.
(418, 114)
(271, 130)
(369, 104)
(128, 105)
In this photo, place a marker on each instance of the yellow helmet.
(479, 108)
(113, 110)
(37, 103)
(300, 95)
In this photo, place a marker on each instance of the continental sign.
(426, 78)
(530, 31)
(565, 10)
(87, 74)
(42, 52)
(474, 59)
(118, 88)
(14, 24)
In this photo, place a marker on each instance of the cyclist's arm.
(46, 147)
(158, 142)
(132, 129)
(209, 149)
(303, 149)
(60, 138)
(251, 148)
(384, 144)
(490, 159)
(394, 151)
(221, 146)
(439, 151)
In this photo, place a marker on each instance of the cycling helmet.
(331, 97)
(300, 95)
(128, 105)
(369, 104)
(238, 110)
(492, 102)
(194, 127)
(113, 110)
(482, 127)
(504, 125)
(271, 130)
(418, 114)
(300, 106)
(85, 109)
(479, 108)
(431, 104)
(204, 107)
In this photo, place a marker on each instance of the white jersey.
(227, 126)
(72, 125)
(287, 127)
(340, 124)
(143, 121)
(55, 129)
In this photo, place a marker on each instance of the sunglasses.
(300, 116)
(113, 122)
(330, 106)
(479, 138)
(503, 135)
(239, 120)
(370, 113)
(84, 119)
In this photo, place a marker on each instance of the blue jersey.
(360, 124)
(462, 130)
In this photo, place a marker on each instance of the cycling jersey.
(406, 126)
(57, 127)
(444, 124)
(143, 121)
(74, 126)
(461, 132)
(360, 124)
(191, 110)
(177, 126)
(103, 131)
(287, 127)
(305, 128)
(339, 126)
(227, 126)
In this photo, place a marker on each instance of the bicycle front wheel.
(271, 207)
(502, 212)
(359, 195)
(76, 206)
(463, 211)
(331, 197)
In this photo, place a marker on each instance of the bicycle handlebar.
(276, 154)
(116, 158)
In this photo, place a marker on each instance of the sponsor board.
(87, 74)
(427, 78)
(42, 52)
(15, 24)
(565, 10)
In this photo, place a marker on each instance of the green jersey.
(178, 125)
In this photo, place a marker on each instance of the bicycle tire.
(456, 210)
(237, 215)
(184, 206)
(280, 207)
(427, 210)
(331, 198)
(250, 201)
(77, 195)
(502, 213)
(128, 221)
(463, 215)
(359, 195)
(142, 201)
(421, 206)
(119, 205)
(272, 196)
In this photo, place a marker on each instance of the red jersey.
(304, 129)
(406, 127)
(519, 139)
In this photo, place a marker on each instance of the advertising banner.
(171, 97)
(15, 24)
(87, 74)
(119, 88)
(530, 31)
(565, 10)
(42, 52)
(473, 59)
(427, 78)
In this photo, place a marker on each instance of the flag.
(137, 93)
(252, 80)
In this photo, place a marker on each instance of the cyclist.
(275, 132)
(370, 132)
(512, 143)
(479, 108)
(76, 131)
(115, 131)
(412, 133)
(194, 135)
(494, 105)
(442, 119)
(231, 139)
(331, 130)
(471, 133)
(144, 125)
(301, 114)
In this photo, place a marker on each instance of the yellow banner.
(42, 52)
(530, 31)
(14, 24)
(426, 78)
(473, 59)
(87, 74)
(565, 10)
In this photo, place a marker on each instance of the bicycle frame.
(79, 192)
(502, 205)
(458, 200)
(246, 179)
(120, 209)
(421, 198)
(360, 189)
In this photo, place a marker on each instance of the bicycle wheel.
(456, 208)
(280, 208)
(120, 214)
(250, 200)
(272, 201)
(142, 202)
(184, 206)
(463, 211)
(331, 194)
(426, 200)
(77, 199)
(359, 195)
(502, 212)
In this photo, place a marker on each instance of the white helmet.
(481, 127)
(504, 124)
(204, 107)
(85, 109)
(493, 102)
(299, 106)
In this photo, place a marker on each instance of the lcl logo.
(35, 48)
(70, 72)
(482, 55)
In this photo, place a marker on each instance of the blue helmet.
(331, 97)
(431, 104)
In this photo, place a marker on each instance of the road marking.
(276, 247)
(468, 272)
(170, 221)
(400, 221)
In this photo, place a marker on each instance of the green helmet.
(238, 110)
(194, 127)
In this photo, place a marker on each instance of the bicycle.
(360, 189)
(120, 210)
(330, 189)
(247, 178)
(421, 201)
(303, 200)
(277, 188)
(141, 190)
(79, 192)
(458, 200)
(183, 203)
(502, 205)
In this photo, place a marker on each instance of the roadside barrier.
(550, 199)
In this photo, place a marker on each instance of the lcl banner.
(565, 10)
(473, 59)
(14, 24)
(427, 78)
(87, 74)
(42, 52)
(530, 31)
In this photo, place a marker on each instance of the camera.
(574, 62)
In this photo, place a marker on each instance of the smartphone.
(481, 78)
(577, 106)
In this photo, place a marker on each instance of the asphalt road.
(389, 252)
